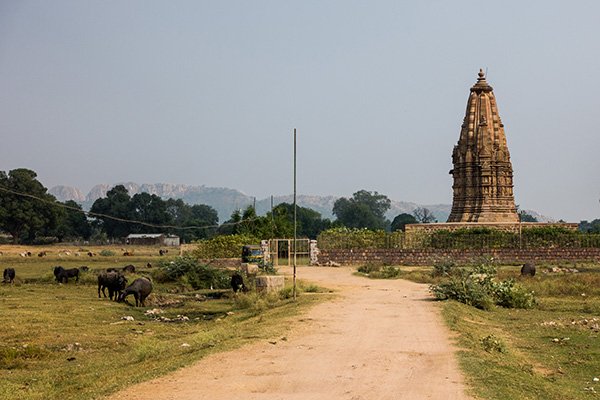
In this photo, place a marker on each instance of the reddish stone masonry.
(430, 256)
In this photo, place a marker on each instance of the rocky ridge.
(226, 200)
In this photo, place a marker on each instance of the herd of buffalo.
(112, 279)
(115, 281)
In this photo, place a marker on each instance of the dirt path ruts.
(380, 339)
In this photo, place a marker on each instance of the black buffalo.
(114, 282)
(140, 289)
(9, 275)
(237, 283)
(528, 269)
(62, 275)
(129, 268)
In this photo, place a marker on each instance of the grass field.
(62, 341)
(550, 352)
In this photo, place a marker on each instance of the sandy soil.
(380, 339)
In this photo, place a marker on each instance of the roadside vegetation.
(548, 351)
(62, 341)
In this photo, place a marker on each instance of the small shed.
(151, 239)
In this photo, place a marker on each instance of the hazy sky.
(208, 93)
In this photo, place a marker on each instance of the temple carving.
(482, 172)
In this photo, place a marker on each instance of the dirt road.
(380, 339)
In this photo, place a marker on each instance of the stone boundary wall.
(430, 256)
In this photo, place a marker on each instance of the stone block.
(269, 283)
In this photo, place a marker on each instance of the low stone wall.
(430, 256)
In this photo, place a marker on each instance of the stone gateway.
(482, 173)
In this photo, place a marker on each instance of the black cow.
(528, 269)
(63, 275)
(9, 275)
(237, 283)
(129, 268)
(140, 289)
(114, 282)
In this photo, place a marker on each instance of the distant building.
(151, 239)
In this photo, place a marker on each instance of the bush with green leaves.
(377, 271)
(225, 246)
(443, 267)
(357, 238)
(492, 344)
(107, 253)
(476, 286)
(197, 275)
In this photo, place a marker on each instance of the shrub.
(510, 295)
(443, 268)
(491, 344)
(376, 271)
(107, 253)
(198, 276)
(257, 302)
(476, 286)
(354, 238)
(206, 277)
(225, 246)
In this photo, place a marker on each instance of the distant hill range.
(225, 200)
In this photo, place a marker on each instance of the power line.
(130, 221)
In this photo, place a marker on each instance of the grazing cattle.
(528, 269)
(148, 265)
(114, 282)
(163, 252)
(62, 275)
(90, 254)
(84, 268)
(127, 253)
(140, 289)
(237, 283)
(42, 254)
(9, 275)
(129, 268)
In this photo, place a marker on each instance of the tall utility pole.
(295, 221)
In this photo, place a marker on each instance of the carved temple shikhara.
(482, 173)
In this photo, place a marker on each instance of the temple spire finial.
(481, 74)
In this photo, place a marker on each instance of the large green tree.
(363, 210)
(115, 210)
(309, 221)
(401, 220)
(198, 215)
(590, 227)
(25, 206)
(149, 209)
(72, 223)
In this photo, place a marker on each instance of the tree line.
(31, 215)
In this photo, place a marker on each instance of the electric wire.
(131, 221)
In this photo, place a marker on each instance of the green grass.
(62, 341)
(549, 352)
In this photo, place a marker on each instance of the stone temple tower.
(483, 175)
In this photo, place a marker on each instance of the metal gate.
(282, 251)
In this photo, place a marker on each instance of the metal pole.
(295, 221)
